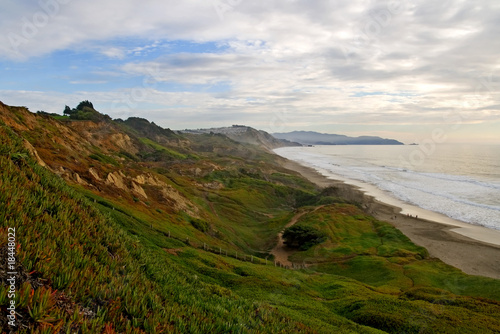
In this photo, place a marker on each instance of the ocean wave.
(460, 197)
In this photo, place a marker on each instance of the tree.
(85, 111)
(67, 111)
(303, 237)
(84, 104)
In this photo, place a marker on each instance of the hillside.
(315, 138)
(248, 135)
(123, 226)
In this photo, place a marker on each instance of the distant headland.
(316, 138)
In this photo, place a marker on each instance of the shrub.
(200, 225)
(303, 237)
(85, 111)
(84, 104)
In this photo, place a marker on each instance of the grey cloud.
(303, 56)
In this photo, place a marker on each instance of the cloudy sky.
(398, 69)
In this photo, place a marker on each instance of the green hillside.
(174, 236)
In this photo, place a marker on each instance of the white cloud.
(114, 52)
(320, 61)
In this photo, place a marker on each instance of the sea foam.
(461, 197)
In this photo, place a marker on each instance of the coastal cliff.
(123, 226)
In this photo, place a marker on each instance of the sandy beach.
(473, 249)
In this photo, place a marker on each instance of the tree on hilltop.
(85, 111)
(67, 111)
(84, 104)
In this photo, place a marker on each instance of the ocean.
(459, 181)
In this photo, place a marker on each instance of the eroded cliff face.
(93, 155)
(138, 164)
(34, 153)
(105, 135)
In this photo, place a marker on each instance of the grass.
(377, 254)
(91, 261)
(103, 158)
(61, 117)
(162, 150)
(126, 286)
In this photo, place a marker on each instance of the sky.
(414, 71)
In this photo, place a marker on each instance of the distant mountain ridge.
(248, 135)
(316, 138)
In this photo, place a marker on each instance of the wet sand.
(473, 249)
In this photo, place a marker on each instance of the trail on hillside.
(282, 252)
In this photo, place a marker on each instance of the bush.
(200, 225)
(303, 237)
(85, 111)
(85, 104)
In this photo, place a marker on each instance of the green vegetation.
(85, 112)
(160, 152)
(193, 256)
(200, 225)
(103, 158)
(303, 237)
(80, 271)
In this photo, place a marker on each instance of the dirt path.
(282, 252)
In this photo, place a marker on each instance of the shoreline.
(473, 249)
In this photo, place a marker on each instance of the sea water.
(459, 181)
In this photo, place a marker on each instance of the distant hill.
(248, 135)
(316, 138)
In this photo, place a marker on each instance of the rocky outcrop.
(34, 153)
(94, 174)
(148, 179)
(138, 190)
(168, 193)
(104, 135)
(124, 142)
(79, 180)
(120, 181)
(116, 180)
(178, 201)
(211, 185)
